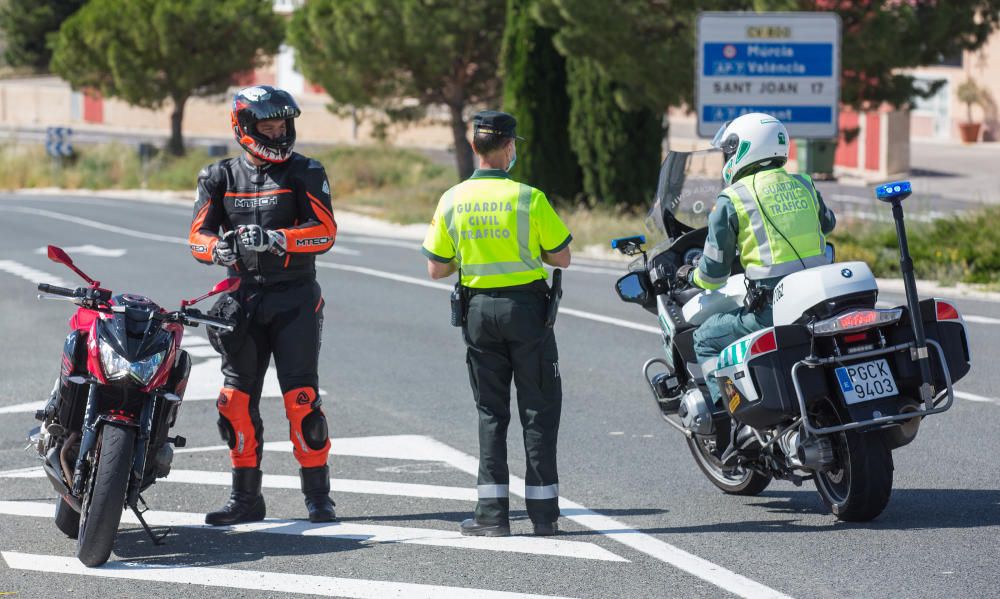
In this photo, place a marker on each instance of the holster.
(757, 298)
(459, 304)
(553, 297)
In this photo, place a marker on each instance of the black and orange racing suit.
(279, 303)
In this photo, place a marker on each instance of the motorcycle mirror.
(57, 254)
(227, 285)
(633, 288)
(224, 286)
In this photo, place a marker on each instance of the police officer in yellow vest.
(496, 233)
(776, 221)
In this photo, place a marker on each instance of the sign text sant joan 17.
(783, 64)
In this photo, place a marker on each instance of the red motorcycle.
(103, 438)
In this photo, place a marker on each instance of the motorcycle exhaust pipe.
(906, 431)
(815, 453)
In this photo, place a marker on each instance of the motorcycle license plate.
(866, 381)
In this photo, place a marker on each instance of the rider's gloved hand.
(224, 252)
(259, 239)
(682, 279)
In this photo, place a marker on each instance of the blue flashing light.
(890, 191)
(616, 243)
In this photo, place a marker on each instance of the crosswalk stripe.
(366, 533)
(337, 485)
(284, 481)
(277, 582)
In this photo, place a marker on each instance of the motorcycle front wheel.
(741, 481)
(858, 487)
(104, 497)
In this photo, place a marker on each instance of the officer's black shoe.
(245, 504)
(471, 528)
(316, 488)
(545, 529)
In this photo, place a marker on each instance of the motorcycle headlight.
(144, 370)
(115, 366)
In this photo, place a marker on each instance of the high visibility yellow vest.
(496, 228)
(780, 231)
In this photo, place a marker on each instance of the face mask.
(513, 159)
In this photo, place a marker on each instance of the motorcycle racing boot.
(316, 488)
(246, 504)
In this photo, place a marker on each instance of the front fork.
(88, 443)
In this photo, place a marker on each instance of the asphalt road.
(639, 518)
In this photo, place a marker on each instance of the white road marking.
(366, 533)
(284, 481)
(337, 485)
(23, 408)
(32, 274)
(370, 240)
(980, 319)
(358, 269)
(977, 398)
(417, 447)
(415, 281)
(87, 250)
(258, 580)
(130, 232)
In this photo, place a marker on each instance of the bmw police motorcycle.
(827, 393)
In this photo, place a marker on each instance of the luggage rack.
(929, 405)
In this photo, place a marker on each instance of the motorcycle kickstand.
(157, 539)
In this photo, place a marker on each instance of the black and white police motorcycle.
(826, 393)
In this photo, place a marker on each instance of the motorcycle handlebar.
(55, 290)
(228, 325)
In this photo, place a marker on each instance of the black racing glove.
(224, 252)
(682, 279)
(259, 239)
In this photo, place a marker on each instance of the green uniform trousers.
(506, 338)
(720, 330)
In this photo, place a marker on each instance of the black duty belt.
(538, 286)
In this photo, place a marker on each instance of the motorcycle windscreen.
(686, 191)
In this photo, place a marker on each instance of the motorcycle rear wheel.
(104, 498)
(67, 519)
(859, 487)
(742, 481)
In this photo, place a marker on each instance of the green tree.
(26, 25)
(628, 62)
(880, 37)
(645, 46)
(534, 76)
(378, 53)
(149, 51)
(619, 150)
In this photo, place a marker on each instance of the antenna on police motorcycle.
(57, 254)
(895, 193)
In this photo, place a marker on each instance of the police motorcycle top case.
(825, 394)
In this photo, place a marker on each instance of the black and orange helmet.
(259, 103)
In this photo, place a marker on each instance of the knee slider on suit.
(306, 418)
(233, 406)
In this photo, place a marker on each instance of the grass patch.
(404, 186)
(395, 184)
(961, 248)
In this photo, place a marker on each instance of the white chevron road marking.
(275, 582)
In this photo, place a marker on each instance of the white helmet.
(751, 139)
